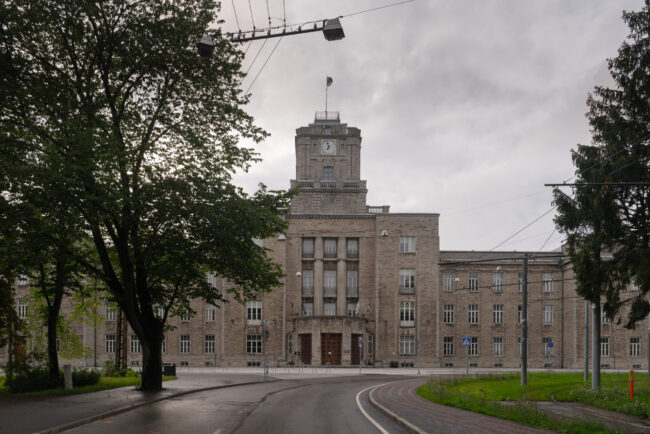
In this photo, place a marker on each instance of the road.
(315, 405)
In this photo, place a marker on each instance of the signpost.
(467, 341)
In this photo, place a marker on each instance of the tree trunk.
(151, 357)
(52, 355)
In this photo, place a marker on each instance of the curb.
(127, 408)
(405, 423)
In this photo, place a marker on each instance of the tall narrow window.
(110, 313)
(329, 284)
(110, 343)
(209, 344)
(186, 315)
(520, 281)
(497, 314)
(448, 314)
(307, 247)
(307, 309)
(604, 346)
(407, 281)
(407, 345)
(329, 309)
(448, 281)
(352, 309)
(547, 282)
(635, 347)
(520, 310)
(547, 346)
(448, 346)
(352, 247)
(497, 281)
(329, 248)
(497, 346)
(254, 344)
(547, 314)
(307, 283)
(353, 282)
(211, 279)
(407, 244)
(185, 343)
(210, 312)
(254, 312)
(328, 173)
(473, 346)
(473, 314)
(135, 344)
(407, 314)
(604, 319)
(23, 308)
(473, 282)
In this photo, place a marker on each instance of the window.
(448, 281)
(185, 343)
(307, 282)
(163, 345)
(328, 173)
(472, 314)
(547, 282)
(634, 286)
(407, 244)
(254, 312)
(329, 284)
(352, 309)
(473, 346)
(497, 346)
(22, 308)
(135, 344)
(635, 347)
(307, 247)
(308, 309)
(407, 345)
(353, 282)
(520, 313)
(473, 282)
(110, 313)
(253, 344)
(448, 346)
(211, 278)
(329, 248)
(604, 346)
(22, 280)
(604, 319)
(497, 281)
(407, 313)
(210, 312)
(353, 247)
(110, 343)
(209, 344)
(519, 345)
(547, 311)
(547, 346)
(520, 281)
(497, 313)
(186, 315)
(448, 314)
(407, 281)
(329, 309)
(159, 311)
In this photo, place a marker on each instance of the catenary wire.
(235, 11)
(262, 68)
(251, 9)
(547, 239)
(255, 58)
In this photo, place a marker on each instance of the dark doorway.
(354, 349)
(330, 344)
(305, 349)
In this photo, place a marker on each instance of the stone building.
(366, 286)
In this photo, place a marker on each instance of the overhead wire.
(524, 228)
(376, 9)
(547, 239)
(262, 68)
(251, 9)
(268, 12)
(255, 58)
(236, 19)
(284, 11)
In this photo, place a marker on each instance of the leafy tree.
(112, 99)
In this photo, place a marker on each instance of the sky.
(466, 108)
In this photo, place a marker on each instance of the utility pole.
(595, 347)
(587, 340)
(467, 334)
(524, 324)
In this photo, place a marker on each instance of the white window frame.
(547, 281)
(520, 281)
(497, 281)
(603, 317)
(407, 345)
(520, 313)
(407, 278)
(547, 314)
(110, 343)
(22, 307)
(329, 309)
(604, 346)
(329, 282)
(307, 247)
(254, 344)
(22, 280)
(407, 244)
(352, 286)
(307, 308)
(472, 281)
(330, 247)
(448, 281)
(135, 346)
(186, 344)
(497, 314)
(473, 346)
(210, 312)
(186, 315)
(635, 346)
(210, 344)
(546, 350)
(407, 314)
(448, 346)
(472, 314)
(352, 247)
(211, 279)
(163, 345)
(308, 282)
(254, 312)
(497, 346)
(448, 313)
(110, 313)
(352, 308)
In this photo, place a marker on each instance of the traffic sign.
(466, 342)
(418, 344)
(550, 344)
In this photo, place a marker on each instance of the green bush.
(29, 379)
(110, 371)
(84, 377)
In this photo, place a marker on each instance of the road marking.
(374, 422)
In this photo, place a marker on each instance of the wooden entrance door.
(354, 350)
(305, 349)
(330, 344)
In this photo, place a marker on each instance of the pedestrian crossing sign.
(466, 341)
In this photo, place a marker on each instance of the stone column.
(318, 276)
(341, 278)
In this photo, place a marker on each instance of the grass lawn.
(481, 394)
(104, 383)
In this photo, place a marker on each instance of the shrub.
(84, 377)
(29, 379)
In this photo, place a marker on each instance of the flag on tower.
(329, 81)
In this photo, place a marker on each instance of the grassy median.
(503, 396)
(103, 384)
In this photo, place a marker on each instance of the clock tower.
(328, 168)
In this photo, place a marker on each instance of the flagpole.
(326, 86)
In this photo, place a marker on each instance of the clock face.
(328, 147)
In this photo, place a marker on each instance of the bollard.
(67, 376)
(631, 383)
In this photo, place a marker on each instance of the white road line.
(374, 422)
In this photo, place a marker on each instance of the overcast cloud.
(466, 108)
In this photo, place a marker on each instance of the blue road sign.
(418, 344)
(550, 344)
(466, 342)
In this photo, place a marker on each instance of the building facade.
(366, 286)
